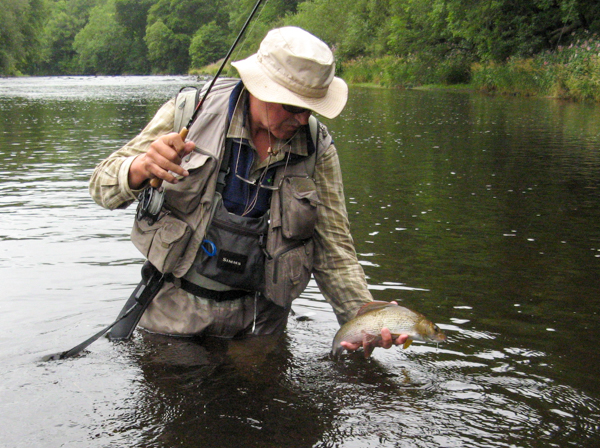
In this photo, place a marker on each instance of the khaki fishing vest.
(172, 243)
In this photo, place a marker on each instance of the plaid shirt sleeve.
(109, 185)
(339, 276)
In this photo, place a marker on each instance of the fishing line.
(250, 30)
(157, 182)
(225, 60)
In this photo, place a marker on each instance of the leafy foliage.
(393, 42)
(208, 45)
(102, 42)
(19, 39)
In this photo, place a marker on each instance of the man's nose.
(303, 117)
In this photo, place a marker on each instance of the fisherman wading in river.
(253, 199)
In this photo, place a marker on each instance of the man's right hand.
(165, 154)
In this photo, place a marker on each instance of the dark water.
(482, 213)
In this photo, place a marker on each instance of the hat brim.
(265, 89)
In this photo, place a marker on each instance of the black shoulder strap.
(224, 168)
(122, 328)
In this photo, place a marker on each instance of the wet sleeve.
(109, 185)
(339, 276)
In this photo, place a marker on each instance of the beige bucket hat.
(294, 67)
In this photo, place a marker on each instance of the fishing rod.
(150, 205)
(152, 199)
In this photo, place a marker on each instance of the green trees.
(208, 45)
(397, 41)
(171, 24)
(64, 19)
(102, 45)
(20, 21)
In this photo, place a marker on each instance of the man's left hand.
(385, 342)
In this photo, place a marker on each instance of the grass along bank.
(569, 72)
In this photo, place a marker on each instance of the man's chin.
(287, 134)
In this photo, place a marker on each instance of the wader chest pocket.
(299, 202)
(162, 243)
(238, 259)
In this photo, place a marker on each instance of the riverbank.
(571, 72)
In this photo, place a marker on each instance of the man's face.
(274, 118)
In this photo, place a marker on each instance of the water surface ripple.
(480, 212)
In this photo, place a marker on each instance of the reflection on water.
(479, 212)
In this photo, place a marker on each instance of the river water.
(483, 213)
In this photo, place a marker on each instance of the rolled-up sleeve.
(109, 184)
(339, 276)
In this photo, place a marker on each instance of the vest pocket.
(162, 243)
(185, 196)
(288, 271)
(299, 202)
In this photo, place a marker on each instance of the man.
(281, 184)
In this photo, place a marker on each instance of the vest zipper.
(235, 229)
(261, 236)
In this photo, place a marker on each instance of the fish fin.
(407, 343)
(367, 347)
(368, 340)
(372, 306)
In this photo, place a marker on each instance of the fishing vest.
(172, 244)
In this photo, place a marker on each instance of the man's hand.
(164, 155)
(386, 341)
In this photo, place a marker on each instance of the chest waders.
(124, 329)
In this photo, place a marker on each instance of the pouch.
(162, 243)
(299, 202)
(233, 250)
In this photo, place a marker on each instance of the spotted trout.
(374, 316)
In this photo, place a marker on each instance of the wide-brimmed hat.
(294, 67)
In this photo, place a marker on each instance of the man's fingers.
(165, 155)
(174, 141)
(349, 346)
(400, 340)
(158, 166)
(187, 148)
(369, 344)
(386, 338)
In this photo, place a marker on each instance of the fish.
(374, 316)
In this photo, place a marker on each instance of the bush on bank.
(406, 72)
(568, 72)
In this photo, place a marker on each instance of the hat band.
(287, 81)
